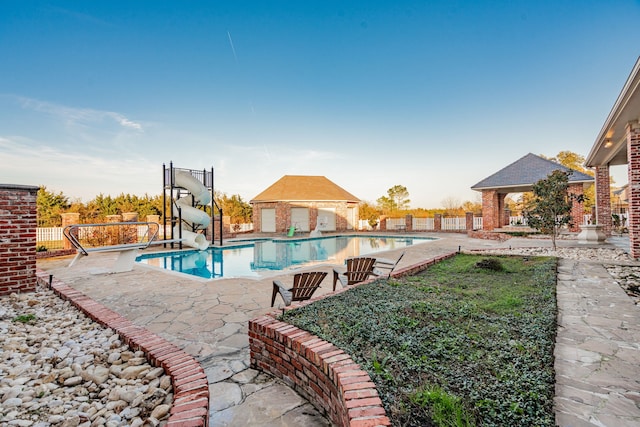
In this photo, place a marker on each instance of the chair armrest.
(336, 277)
(278, 288)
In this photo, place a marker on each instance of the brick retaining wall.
(318, 370)
(190, 406)
(17, 238)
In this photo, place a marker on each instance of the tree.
(550, 207)
(451, 206)
(575, 161)
(237, 209)
(49, 206)
(368, 212)
(397, 199)
(474, 207)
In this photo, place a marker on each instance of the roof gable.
(304, 188)
(523, 173)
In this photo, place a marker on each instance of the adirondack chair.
(358, 270)
(304, 285)
(383, 264)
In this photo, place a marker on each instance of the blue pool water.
(258, 257)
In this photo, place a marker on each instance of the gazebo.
(519, 177)
(618, 143)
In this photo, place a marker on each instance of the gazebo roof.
(297, 188)
(520, 175)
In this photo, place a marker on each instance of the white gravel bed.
(60, 368)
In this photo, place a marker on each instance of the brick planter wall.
(17, 238)
(489, 235)
(318, 370)
(190, 406)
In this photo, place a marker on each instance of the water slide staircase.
(191, 205)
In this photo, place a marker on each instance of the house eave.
(610, 146)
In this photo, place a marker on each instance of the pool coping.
(251, 243)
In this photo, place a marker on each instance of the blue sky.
(434, 95)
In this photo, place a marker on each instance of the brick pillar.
(633, 157)
(17, 238)
(383, 223)
(603, 199)
(491, 209)
(153, 218)
(468, 216)
(69, 219)
(130, 232)
(408, 222)
(507, 217)
(112, 233)
(114, 218)
(156, 220)
(577, 209)
(437, 222)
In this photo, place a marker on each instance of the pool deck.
(597, 351)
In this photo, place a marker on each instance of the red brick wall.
(17, 238)
(321, 372)
(283, 214)
(577, 209)
(491, 209)
(633, 157)
(469, 220)
(603, 199)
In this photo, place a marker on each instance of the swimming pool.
(257, 258)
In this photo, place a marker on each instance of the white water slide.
(190, 214)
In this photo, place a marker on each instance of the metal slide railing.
(112, 236)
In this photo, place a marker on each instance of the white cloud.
(78, 116)
(78, 175)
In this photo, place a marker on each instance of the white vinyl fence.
(454, 224)
(423, 224)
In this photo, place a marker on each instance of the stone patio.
(597, 356)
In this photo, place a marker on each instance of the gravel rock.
(59, 368)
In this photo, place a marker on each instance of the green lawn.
(467, 342)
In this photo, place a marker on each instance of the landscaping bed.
(469, 341)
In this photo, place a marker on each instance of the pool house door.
(300, 218)
(268, 220)
(327, 219)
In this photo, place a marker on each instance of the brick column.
(17, 238)
(70, 218)
(437, 222)
(468, 217)
(603, 199)
(577, 209)
(491, 209)
(507, 217)
(633, 157)
(408, 222)
(383, 223)
(130, 232)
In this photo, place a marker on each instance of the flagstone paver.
(597, 352)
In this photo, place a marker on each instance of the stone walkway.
(597, 349)
(208, 319)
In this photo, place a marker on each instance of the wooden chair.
(304, 285)
(386, 264)
(358, 270)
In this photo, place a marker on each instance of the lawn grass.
(467, 342)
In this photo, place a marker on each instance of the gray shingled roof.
(520, 175)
